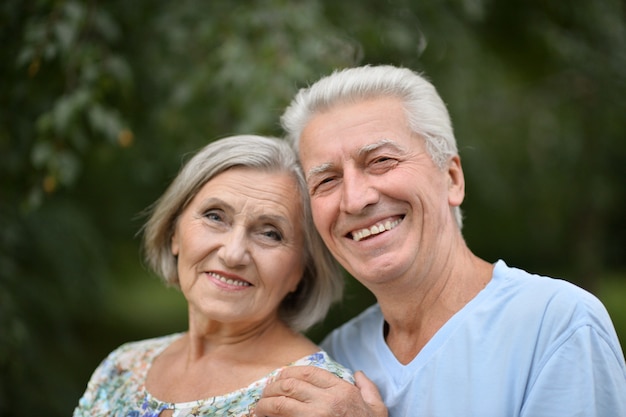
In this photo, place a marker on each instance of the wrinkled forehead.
(359, 126)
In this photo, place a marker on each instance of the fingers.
(370, 394)
(280, 407)
(314, 392)
(301, 383)
(301, 391)
(313, 375)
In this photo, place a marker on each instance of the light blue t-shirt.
(525, 346)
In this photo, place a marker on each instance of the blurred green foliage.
(100, 102)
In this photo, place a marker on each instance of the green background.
(102, 101)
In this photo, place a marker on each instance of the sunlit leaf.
(105, 122)
(41, 154)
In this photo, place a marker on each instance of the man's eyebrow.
(380, 144)
(327, 166)
(318, 169)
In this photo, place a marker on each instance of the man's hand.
(308, 391)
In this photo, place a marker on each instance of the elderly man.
(451, 334)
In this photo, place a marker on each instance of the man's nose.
(357, 191)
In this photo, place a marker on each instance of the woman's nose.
(233, 251)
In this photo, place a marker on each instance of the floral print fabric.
(117, 387)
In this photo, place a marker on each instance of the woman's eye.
(213, 215)
(273, 234)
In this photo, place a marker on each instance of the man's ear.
(456, 181)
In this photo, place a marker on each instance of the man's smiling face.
(378, 200)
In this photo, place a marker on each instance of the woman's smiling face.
(240, 246)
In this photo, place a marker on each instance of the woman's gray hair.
(426, 112)
(322, 281)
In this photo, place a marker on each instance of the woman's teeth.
(374, 230)
(230, 281)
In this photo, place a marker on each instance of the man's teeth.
(231, 281)
(374, 230)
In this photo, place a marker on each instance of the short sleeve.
(584, 376)
(95, 387)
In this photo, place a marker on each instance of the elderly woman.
(234, 233)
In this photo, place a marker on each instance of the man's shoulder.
(369, 317)
(357, 328)
(523, 280)
(556, 297)
(355, 343)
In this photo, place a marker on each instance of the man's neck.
(413, 317)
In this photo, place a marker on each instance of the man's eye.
(323, 184)
(383, 163)
(382, 160)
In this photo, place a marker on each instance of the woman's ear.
(174, 244)
(456, 182)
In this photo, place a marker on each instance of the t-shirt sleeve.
(584, 376)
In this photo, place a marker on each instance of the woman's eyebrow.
(215, 201)
(278, 220)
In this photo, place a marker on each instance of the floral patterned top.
(117, 386)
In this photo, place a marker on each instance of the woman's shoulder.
(131, 353)
(321, 359)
